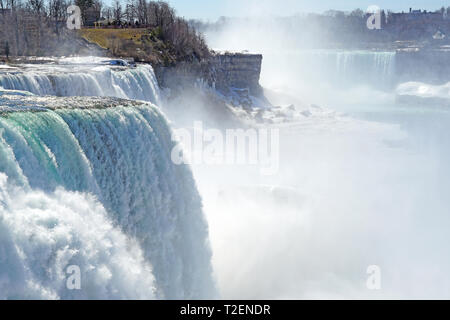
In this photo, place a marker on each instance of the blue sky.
(213, 9)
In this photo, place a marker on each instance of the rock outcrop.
(237, 71)
(232, 77)
(222, 71)
(214, 91)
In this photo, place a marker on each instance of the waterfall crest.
(132, 83)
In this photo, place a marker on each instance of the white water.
(97, 188)
(81, 80)
(42, 234)
(425, 91)
(367, 188)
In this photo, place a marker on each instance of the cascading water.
(132, 83)
(342, 69)
(366, 66)
(89, 182)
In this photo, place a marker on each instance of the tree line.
(32, 27)
(339, 29)
(183, 38)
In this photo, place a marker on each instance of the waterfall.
(90, 182)
(43, 234)
(366, 66)
(334, 67)
(132, 83)
(350, 67)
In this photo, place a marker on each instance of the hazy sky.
(213, 9)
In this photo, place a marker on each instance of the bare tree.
(84, 5)
(117, 11)
(130, 11)
(141, 12)
(36, 6)
(357, 13)
(107, 13)
(57, 12)
(6, 48)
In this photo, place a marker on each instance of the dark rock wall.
(223, 71)
(237, 70)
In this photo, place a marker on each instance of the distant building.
(104, 23)
(92, 15)
(417, 15)
(439, 35)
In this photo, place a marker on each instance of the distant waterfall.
(348, 68)
(138, 83)
(365, 66)
(334, 67)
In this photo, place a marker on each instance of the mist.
(362, 179)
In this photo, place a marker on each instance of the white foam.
(424, 90)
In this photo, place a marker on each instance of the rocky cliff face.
(214, 91)
(232, 78)
(236, 71)
(223, 71)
